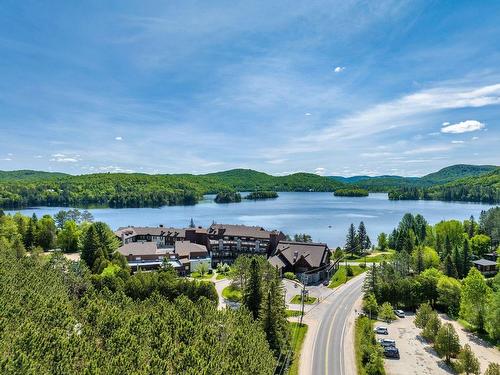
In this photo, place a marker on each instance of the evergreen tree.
(468, 362)
(191, 223)
(362, 236)
(449, 268)
(493, 369)
(472, 224)
(29, 239)
(439, 245)
(252, 293)
(457, 261)
(447, 342)
(90, 246)
(351, 243)
(423, 315)
(432, 327)
(466, 257)
(273, 317)
(419, 264)
(447, 247)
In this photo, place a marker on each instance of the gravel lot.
(418, 357)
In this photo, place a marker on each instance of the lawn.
(376, 257)
(308, 301)
(299, 334)
(290, 313)
(339, 277)
(232, 293)
(196, 275)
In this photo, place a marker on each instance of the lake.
(322, 215)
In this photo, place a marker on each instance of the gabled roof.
(485, 262)
(315, 254)
(236, 230)
(186, 248)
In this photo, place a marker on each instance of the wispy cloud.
(339, 69)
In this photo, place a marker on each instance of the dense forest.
(255, 195)
(483, 188)
(142, 190)
(20, 189)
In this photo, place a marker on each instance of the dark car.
(387, 342)
(391, 352)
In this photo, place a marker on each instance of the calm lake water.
(321, 215)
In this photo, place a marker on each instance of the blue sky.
(329, 87)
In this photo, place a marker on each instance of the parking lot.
(418, 357)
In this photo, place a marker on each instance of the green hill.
(457, 171)
(143, 190)
(27, 174)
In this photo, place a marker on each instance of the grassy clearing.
(376, 257)
(232, 293)
(308, 301)
(196, 275)
(297, 341)
(220, 276)
(290, 313)
(339, 277)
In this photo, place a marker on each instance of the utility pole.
(303, 294)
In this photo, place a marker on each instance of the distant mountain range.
(37, 188)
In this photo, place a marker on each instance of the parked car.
(381, 330)
(399, 313)
(326, 282)
(387, 342)
(391, 352)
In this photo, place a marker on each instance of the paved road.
(328, 354)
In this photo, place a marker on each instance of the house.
(228, 241)
(309, 261)
(486, 267)
(148, 256)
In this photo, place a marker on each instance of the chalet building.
(486, 267)
(148, 256)
(309, 261)
(226, 241)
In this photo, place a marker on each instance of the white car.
(399, 313)
(381, 330)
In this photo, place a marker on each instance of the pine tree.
(29, 239)
(351, 242)
(420, 259)
(191, 223)
(252, 294)
(447, 247)
(468, 362)
(90, 246)
(472, 224)
(273, 317)
(457, 261)
(466, 257)
(449, 268)
(362, 236)
(447, 342)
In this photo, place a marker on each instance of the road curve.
(328, 353)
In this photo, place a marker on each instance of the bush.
(290, 276)
(431, 327)
(386, 313)
(493, 369)
(349, 271)
(424, 312)
(368, 352)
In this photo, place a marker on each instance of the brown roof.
(153, 231)
(141, 248)
(236, 230)
(315, 254)
(186, 249)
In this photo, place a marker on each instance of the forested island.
(351, 192)
(256, 195)
(228, 197)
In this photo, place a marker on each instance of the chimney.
(123, 238)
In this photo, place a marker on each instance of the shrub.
(349, 271)
(290, 276)
(431, 327)
(386, 312)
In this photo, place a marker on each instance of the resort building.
(227, 241)
(309, 261)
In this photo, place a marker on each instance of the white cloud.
(475, 138)
(114, 169)
(463, 127)
(276, 161)
(320, 171)
(339, 69)
(119, 138)
(38, 156)
(57, 155)
(307, 114)
(457, 142)
(445, 123)
(6, 159)
(62, 158)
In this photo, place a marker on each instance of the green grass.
(376, 257)
(220, 276)
(297, 341)
(196, 275)
(290, 313)
(232, 293)
(308, 301)
(360, 341)
(339, 277)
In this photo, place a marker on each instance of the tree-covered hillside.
(27, 174)
(484, 188)
(142, 190)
